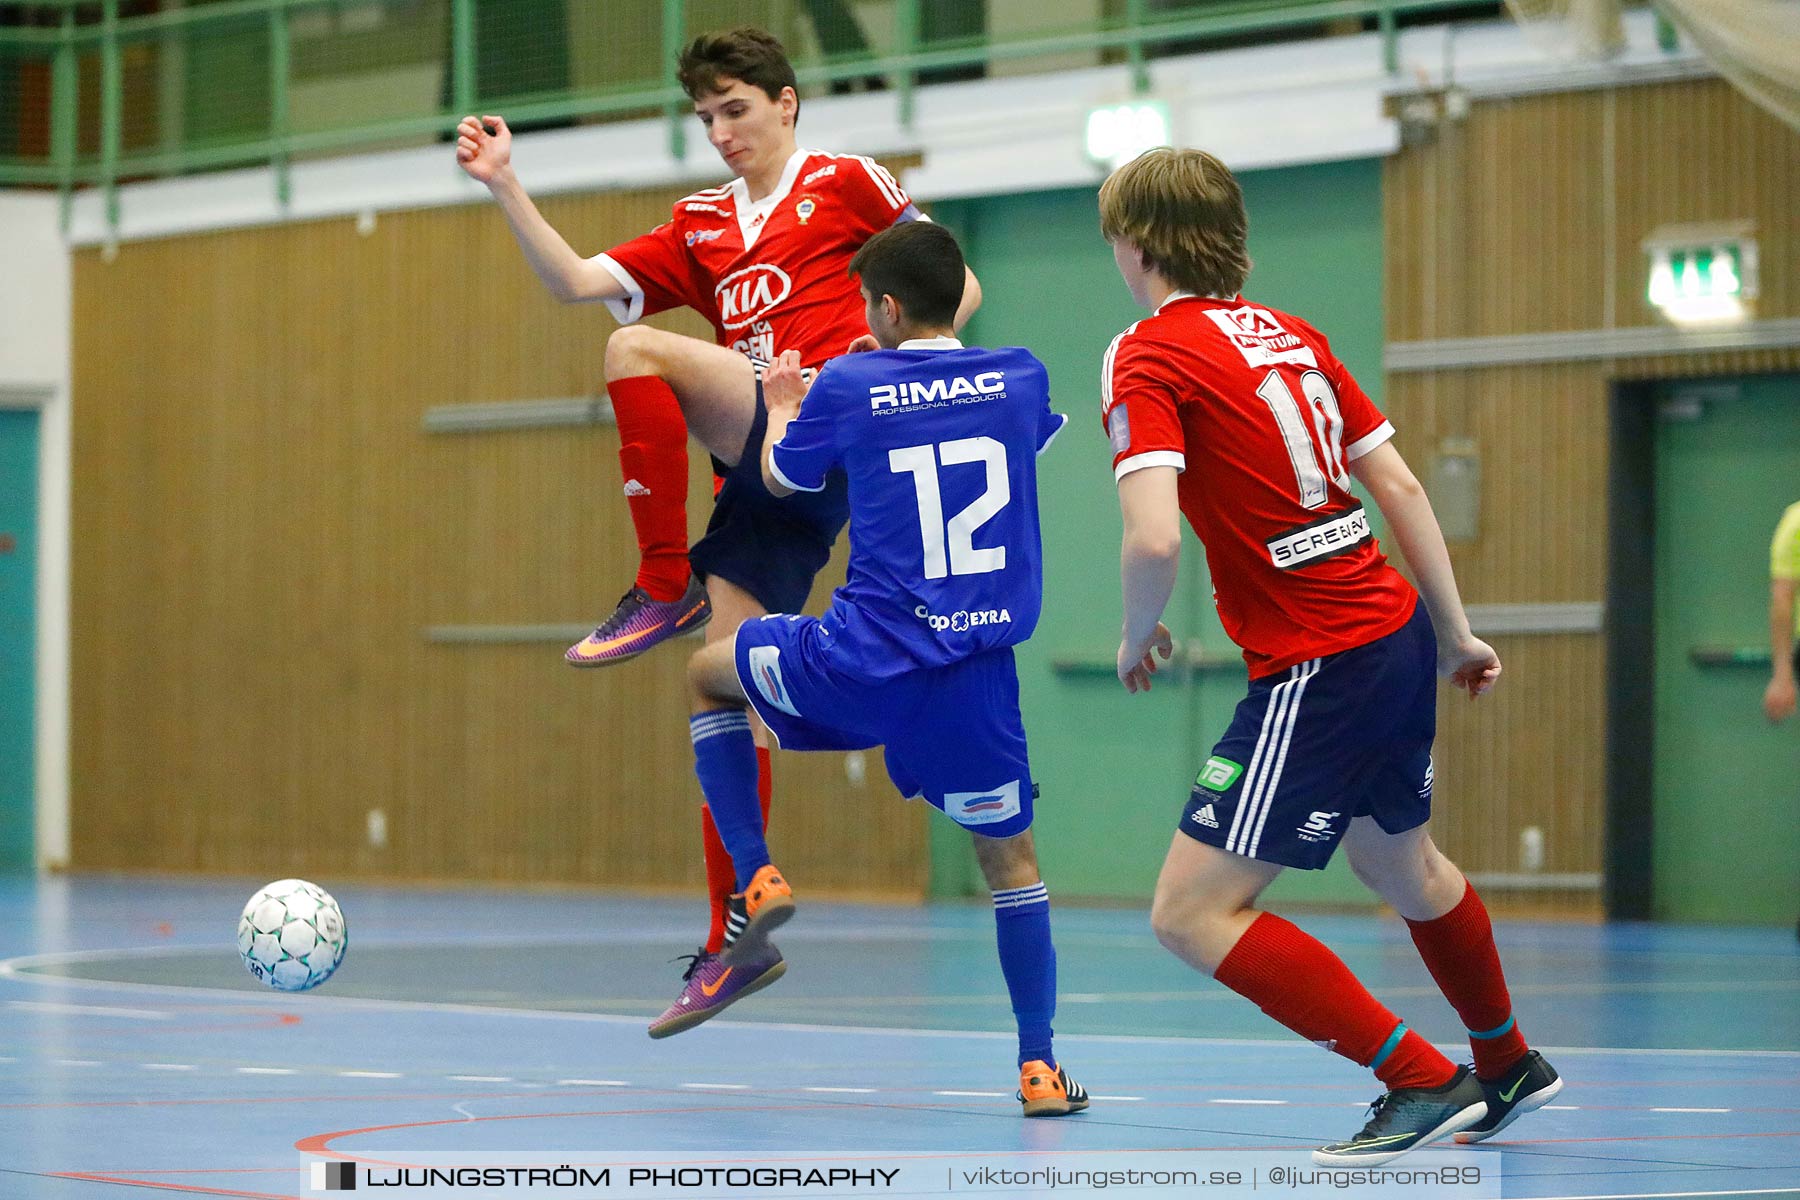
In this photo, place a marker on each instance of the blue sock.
(1028, 960)
(725, 761)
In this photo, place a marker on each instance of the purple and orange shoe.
(709, 986)
(639, 623)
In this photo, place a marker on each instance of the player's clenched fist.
(480, 153)
(783, 385)
(1472, 666)
(1137, 663)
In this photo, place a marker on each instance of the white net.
(1753, 43)
(1571, 30)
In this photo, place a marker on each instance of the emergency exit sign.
(1697, 281)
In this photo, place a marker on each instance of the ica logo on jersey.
(936, 393)
(748, 295)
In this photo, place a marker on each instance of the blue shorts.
(952, 734)
(1344, 736)
(771, 547)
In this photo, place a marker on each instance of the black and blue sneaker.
(1531, 1083)
(1401, 1121)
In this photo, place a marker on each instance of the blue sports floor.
(137, 1057)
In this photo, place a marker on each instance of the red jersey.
(769, 275)
(1261, 420)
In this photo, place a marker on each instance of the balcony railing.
(97, 92)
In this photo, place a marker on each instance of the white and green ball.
(292, 935)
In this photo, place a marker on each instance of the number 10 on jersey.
(950, 546)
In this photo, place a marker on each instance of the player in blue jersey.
(939, 445)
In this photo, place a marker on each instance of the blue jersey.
(940, 446)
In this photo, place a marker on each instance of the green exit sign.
(1694, 281)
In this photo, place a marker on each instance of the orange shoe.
(1048, 1093)
(754, 913)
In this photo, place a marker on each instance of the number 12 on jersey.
(950, 546)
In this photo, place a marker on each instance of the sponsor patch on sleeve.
(1118, 429)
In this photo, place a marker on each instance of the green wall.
(1116, 769)
(1727, 783)
(18, 639)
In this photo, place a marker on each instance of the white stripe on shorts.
(1265, 763)
(1262, 817)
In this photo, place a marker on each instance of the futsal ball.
(292, 935)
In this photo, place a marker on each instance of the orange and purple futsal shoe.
(639, 623)
(709, 986)
(753, 914)
(1047, 1091)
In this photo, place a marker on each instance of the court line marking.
(190, 1189)
(20, 968)
(89, 1010)
(1672, 1195)
(1233, 1100)
(1178, 1087)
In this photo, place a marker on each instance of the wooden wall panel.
(1699, 152)
(1528, 217)
(1527, 755)
(1543, 466)
(263, 530)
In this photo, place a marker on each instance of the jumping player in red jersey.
(1238, 417)
(765, 259)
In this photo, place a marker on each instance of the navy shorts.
(771, 547)
(1312, 747)
(953, 734)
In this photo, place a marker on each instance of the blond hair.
(1185, 211)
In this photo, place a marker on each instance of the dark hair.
(752, 55)
(917, 263)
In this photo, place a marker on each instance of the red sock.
(721, 877)
(1298, 981)
(1458, 949)
(653, 456)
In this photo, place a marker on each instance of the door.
(1726, 783)
(18, 635)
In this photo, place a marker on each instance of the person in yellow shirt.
(1784, 617)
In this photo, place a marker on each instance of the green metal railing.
(104, 68)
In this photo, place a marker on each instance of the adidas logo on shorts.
(1207, 817)
(634, 488)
